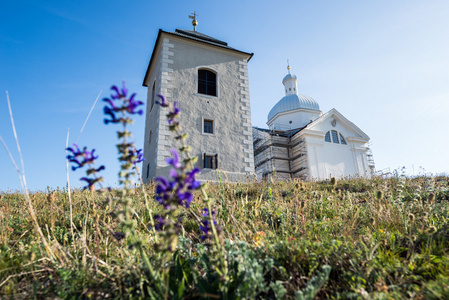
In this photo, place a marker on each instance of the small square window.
(210, 161)
(208, 126)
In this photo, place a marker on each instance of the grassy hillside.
(350, 239)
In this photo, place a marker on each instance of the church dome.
(291, 102)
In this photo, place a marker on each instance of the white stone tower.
(209, 80)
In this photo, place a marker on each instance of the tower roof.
(199, 36)
(193, 36)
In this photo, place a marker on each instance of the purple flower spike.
(133, 104)
(119, 94)
(139, 156)
(191, 182)
(173, 114)
(90, 181)
(124, 89)
(81, 158)
(111, 103)
(159, 222)
(175, 160)
(185, 198)
(129, 105)
(205, 226)
(108, 111)
(163, 102)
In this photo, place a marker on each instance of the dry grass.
(383, 238)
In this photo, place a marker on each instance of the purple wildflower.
(175, 160)
(87, 157)
(191, 182)
(163, 102)
(205, 226)
(139, 157)
(90, 181)
(109, 111)
(185, 198)
(179, 190)
(119, 94)
(160, 222)
(84, 157)
(119, 235)
(163, 191)
(180, 187)
(133, 104)
(129, 105)
(173, 114)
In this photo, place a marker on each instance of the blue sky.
(383, 64)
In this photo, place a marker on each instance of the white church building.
(209, 81)
(302, 142)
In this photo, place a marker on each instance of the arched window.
(335, 137)
(207, 82)
(334, 134)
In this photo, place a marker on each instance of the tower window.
(207, 82)
(148, 170)
(210, 161)
(208, 126)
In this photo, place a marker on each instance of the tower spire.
(288, 66)
(194, 22)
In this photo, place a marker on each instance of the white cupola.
(293, 110)
(290, 83)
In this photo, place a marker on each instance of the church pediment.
(334, 120)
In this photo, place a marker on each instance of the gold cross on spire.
(288, 66)
(194, 22)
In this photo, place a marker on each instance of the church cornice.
(283, 113)
(356, 139)
(311, 133)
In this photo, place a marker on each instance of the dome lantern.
(292, 100)
(290, 83)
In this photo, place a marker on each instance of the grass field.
(349, 239)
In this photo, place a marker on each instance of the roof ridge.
(201, 36)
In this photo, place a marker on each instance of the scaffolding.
(279, 153)
(370, 158)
